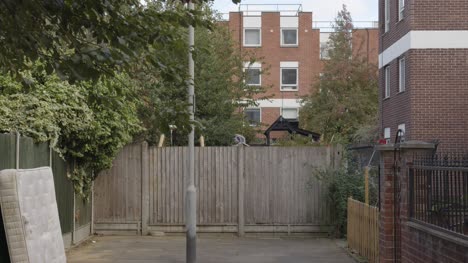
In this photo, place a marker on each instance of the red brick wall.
(271, 53)
(396, 109)
(397, 29)
(269, 115)
(421, 247)
(366, 44)
(413, 244)
(440, 15)
(422, 15)
(434, 105)
(439, 83)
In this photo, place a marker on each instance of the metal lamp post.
(191, 191)
(172, 127)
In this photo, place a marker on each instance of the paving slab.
(171, 249)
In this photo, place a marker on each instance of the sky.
(323, 10)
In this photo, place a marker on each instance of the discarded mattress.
(30, 216)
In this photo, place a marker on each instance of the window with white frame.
(252, 37)
(387, 15)
(289, 76)
(289, 37)
(253, 76)
(253, 116)
(290, 113)
(387, 81)
(401, 9)
(402, 74)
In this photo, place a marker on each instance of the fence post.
(240, 187)
(366, 176)
(17, 149)
(144, 189)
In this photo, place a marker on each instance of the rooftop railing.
(328, 26)
(283, 9)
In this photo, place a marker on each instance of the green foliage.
(88, 38)
(340, 184)
(347, 91)
(296, 140)
(85, 122)
(44, 109)
(218, 86)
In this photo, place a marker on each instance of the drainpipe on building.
(396, 202)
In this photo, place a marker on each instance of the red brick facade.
(433, 107)
(306, 54)
(414, 242)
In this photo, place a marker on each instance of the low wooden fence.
(363, 229)
(240, 190)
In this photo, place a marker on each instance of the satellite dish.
(240, 140)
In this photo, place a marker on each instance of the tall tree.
(87, 38)
(219, 86)
(345, 97)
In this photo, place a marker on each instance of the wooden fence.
(363, 229)
(240, 189)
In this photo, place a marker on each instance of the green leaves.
(346, 97)
(218, 85)
(86, 122)
(83, 40)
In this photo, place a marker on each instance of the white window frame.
(288, 108)
(260, 76)
(260, 36)
(402, 74)
(282, 38)
(287, 85)
(260, 121)
(387, 82)
(401, 9)
(387, 15)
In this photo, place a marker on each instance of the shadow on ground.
(117, 249)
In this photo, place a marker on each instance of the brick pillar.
(404, 153)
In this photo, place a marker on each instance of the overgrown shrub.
(341, 183)
(86, 122)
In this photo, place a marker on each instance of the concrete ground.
(171, 249)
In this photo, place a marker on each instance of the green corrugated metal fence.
(33, 155)
(63, 193)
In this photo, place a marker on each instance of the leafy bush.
(87, 122)
(296, 140)
(340, 184)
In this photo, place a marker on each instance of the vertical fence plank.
(240, 186)
(145, 197)
(363, 230)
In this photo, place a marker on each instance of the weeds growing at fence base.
(340, 183)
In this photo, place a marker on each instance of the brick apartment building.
(423, 63)
(292, 48)
(423, 70)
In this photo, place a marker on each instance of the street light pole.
(191, 192)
